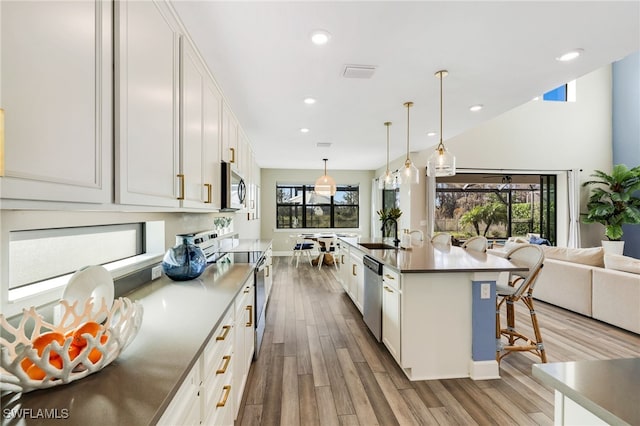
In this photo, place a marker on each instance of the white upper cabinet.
(201, 102)
(55, 90)
(229, 146)
(147, 84)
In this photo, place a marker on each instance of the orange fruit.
(95, 355)
(45, 339)
(26, 363)
(74, 351)
(35, 372)
(90, 327)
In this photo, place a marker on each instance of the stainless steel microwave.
(233, 189)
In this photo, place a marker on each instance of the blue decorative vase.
(184, 262)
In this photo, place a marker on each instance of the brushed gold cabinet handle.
(250, 322)
(1, 142)
(353, 269)
(181, 178)
(267, 274)
(208, 186)
(227, 360)
(233, 155)
(227, 391)
(388, 289)
(225, 331)
(389, 276)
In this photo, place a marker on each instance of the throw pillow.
(622, 263)
(587, 256)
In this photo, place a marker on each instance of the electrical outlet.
(156, 272)
(485, 291)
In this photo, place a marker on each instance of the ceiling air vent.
(358, 71)
(323, 144)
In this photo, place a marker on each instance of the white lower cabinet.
(244, 340)
(212, 392)
(356, 284)
(217, 374)
(391, 308)
(184, 409)
(268, 275)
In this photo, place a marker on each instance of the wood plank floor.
(319, 365)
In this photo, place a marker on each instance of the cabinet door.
(184, 408)
(357, 280)
(391, 320)
(211, 115)
(56, 90)
(244, 340)
(147, 70)
(268, 276)
(229, 146)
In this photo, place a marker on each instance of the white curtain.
(376, 204)
(573, 188)
(431, 206)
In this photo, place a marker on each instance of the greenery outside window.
(496, 206)
(298, 206)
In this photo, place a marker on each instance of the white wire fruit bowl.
(118, 330)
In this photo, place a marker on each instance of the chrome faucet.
(396, 241)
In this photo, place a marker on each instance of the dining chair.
(327, 245)
(441, 238)
(302, 245)
(520, 287)
(478, 243)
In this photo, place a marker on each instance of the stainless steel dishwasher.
(372, 304)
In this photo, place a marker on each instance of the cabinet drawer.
(391, 277)
(221, 344)
(218, 400)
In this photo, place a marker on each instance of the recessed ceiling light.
(304, 130)
(309, 101)
(570, 56)
(320, 37)
(475, 108)
(431, 133)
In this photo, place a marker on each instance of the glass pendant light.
(325, 185)
(441, 162)
(410, 173)
(387, 181)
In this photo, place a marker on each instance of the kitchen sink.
(378, 246)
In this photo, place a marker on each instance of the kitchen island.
(438, 308)
(180, 320)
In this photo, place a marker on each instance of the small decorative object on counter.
(405, 240)
(77, 346)
(184, 262)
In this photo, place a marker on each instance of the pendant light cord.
(441, 75)
(388, 123)
(408, 105)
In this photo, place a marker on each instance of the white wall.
(269, 178)
(544, 136)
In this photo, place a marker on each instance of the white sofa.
(578, 280)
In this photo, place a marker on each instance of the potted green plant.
(384, 214)
(613, 201)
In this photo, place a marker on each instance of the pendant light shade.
(410, 174)
(325, 185)
(441, 162)
(387, 181)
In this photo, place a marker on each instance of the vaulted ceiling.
(498, 54)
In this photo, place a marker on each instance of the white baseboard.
(484, 370)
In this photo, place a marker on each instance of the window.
(564, 93)
(42, 260)
(298, 206)
(496, 205)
